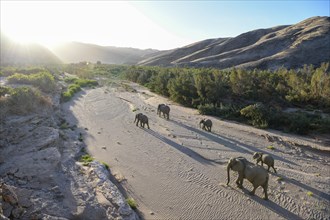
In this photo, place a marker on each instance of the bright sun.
(31, 22)
(99, 22)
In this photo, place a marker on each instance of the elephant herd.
(254, 173)
(163, 109)
(143, 119)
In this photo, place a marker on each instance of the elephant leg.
(239, 182)
(274, 169)
(142, 124)
(148, 125)
(137, 123)
(262, 163)
(268, 168)
(253, 191)
(265, 191)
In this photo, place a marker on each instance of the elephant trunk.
(228, 175)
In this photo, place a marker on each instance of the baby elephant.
(206, 124)
(264, 158)
(143, 119)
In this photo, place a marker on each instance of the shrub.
(86, 82)
(257, 114)
(106, 165)
(279, 179)
(224, 111)
(310, 193)
(86, 159)
(23, 100)
(76, 87)
(299, 123)
(43, 80)
(4, 90)
(132, 203)
(270, 147)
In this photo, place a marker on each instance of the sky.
(147, 24)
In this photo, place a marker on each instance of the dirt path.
(175, 170)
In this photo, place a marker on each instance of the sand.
(175, 170)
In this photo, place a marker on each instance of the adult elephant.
(256, 175)
(165, 109)
(143, 119)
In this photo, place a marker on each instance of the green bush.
(5, 90)
(86, 159)
(299, 123)
(106, 165)
(76, 87)
(43, 80)
(132, 203)
(224, 111)
(23, 100)
(257, 114)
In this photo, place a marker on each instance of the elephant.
(264, 158)
(165, 109)
(207, 124)
(256, 175)
(143, 119)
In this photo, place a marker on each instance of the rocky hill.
(15, 53)
(291, 46)
(41, 175)
(73, 52)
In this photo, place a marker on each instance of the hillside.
(291, 46)
(15, 53)
(73, 52)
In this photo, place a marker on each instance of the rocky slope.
(41, 176)
(74, 52)
(15, 53)
(291, 46)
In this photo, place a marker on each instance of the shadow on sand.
(194, 155)
(273, 206)
(230, 143)
(316, 193)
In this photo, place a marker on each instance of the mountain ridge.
(290, 46)
(16, 53)
(73, 52)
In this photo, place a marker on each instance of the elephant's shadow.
(268, 204)
(230, 143)
(316, 192)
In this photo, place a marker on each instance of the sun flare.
(105, 23)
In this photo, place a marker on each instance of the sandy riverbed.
(175, 170)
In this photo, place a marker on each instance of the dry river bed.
(175, 170)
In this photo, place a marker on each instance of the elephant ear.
(235, 161)
(255, 155)
(232, 161)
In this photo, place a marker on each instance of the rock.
(17, 212)
(2, 217)
(40, 178)
(8, 195)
